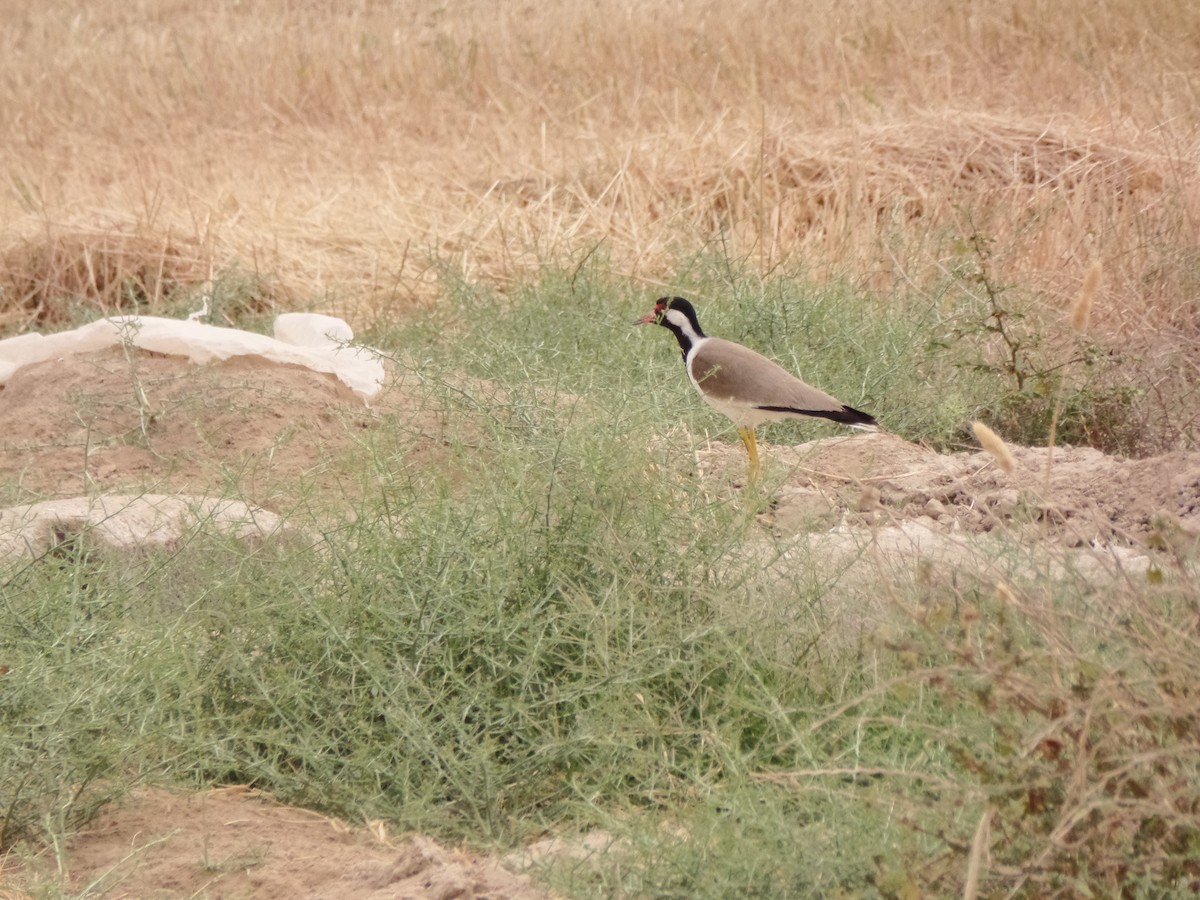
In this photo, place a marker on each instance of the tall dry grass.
(346, 148)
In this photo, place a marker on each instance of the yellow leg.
(751, 443)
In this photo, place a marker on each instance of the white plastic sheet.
(321, 343)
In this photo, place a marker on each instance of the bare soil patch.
(234, 842)
(104, 421)
(1075, 495)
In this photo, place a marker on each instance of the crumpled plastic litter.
(321, 343)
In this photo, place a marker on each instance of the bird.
(742, 384)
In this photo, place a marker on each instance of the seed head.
(1081, 309)
(994, 444)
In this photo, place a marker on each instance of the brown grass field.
(342, 152)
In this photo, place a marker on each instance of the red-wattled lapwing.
(746, 386)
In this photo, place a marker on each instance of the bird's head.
(674, 313)
(655, 317)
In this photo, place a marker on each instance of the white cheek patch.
(678, 319)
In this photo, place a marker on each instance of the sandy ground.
(97, 421)
(233, 842)
(103, 423)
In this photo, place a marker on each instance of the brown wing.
(734, 372)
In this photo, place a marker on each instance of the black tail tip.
(852, 416)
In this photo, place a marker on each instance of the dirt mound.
(106, 421)
(1076, 494)
(233, 842)
(863, 503)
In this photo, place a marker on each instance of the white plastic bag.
(321, 343)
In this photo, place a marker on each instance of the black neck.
(686, 332)
(685, 342)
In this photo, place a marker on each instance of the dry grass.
(994, 444)
(347, 148)
(1088, 773)
(43, 276)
